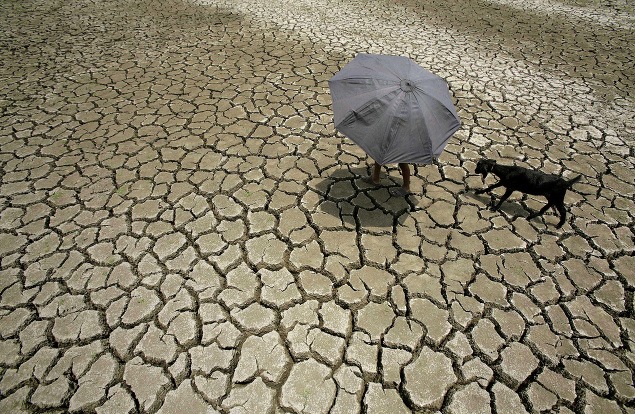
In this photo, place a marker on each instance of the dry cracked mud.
(182, 230)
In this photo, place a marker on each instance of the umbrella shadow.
(348, 196)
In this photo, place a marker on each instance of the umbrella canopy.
(394, 109)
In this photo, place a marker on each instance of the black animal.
(528, 181)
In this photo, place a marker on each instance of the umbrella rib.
(389, 131)
(378, 93)
(425, 108)
(383, 65)
(373, 93)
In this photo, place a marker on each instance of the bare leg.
(404, 190)
(376, 171)
(405, 174)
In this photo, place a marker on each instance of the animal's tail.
(573, 181)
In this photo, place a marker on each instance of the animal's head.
(484, 167)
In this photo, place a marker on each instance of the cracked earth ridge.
(175, 205)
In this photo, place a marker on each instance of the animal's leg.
(563, 214)
(541, 212)
(505, 196)
(490, 188)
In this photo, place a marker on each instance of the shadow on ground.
(349, 196)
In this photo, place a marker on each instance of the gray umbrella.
(394, 109)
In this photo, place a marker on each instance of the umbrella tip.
(406, 85)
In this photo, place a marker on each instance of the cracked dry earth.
(183, 231)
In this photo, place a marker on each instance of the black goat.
(514, 178)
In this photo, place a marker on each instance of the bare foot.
(369, 180)
(399, 192)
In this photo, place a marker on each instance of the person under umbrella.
(395, 110)
(404, 169)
